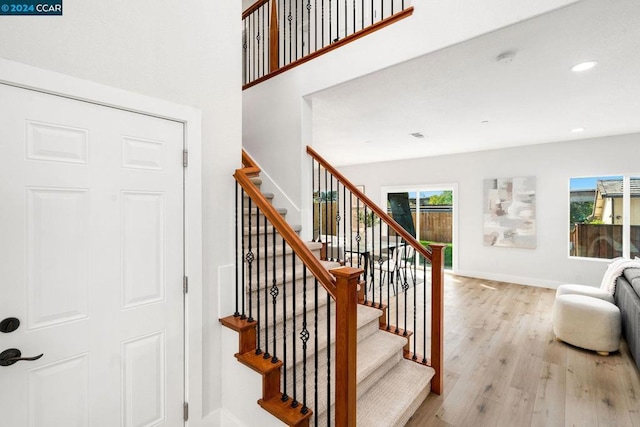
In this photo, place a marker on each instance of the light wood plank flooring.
(503, 366)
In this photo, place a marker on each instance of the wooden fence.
(601, 240)
(435, 226)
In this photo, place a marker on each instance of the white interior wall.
(274, 112)
(552, 164)
(187, 53)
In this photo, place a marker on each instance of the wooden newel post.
(437, 316)
(274, 38)
(347, 279)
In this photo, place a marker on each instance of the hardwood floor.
(503, 366)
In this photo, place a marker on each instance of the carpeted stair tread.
(329, 265)
(261, 229)
(393, 400)
(377, 354)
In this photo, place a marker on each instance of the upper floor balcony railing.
(281, 34)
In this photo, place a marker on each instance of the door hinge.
(185, 284)
(185, 411)
(185, 158)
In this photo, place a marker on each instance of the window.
(426, 213)
(604, 216)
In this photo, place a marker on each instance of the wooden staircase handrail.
(397, 228)
(242, 176)
(249, 166)
(257, 5)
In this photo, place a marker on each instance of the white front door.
(91, 264)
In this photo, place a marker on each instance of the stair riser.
(291, 286)
(299, 318)
(281, 261)
(259, 239)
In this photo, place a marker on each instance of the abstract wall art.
(510, 212)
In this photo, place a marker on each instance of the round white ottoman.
(587, 322)
(588, 291)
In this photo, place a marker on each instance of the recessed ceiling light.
(577, 130)
(484, 122)
(584, 66)
(417, 135)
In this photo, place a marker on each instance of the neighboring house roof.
(613, 187)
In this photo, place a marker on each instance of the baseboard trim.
(527, 281)
(221, 418)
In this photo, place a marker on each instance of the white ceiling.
(448, 95)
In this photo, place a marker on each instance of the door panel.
(91, 262)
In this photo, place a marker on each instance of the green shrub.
(448, 252)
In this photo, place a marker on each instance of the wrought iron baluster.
(249, 258)
(304, 336)
(346, 17)
(285, 396)
(242, 290)
(245, 57)
(331, 198)
(326, 207)
(316, 355)
(319, 206)
(350, 229)
(415, 308)
(266, 294)
(353, 29)
(314, 215)
(344, 223)
(294, 330)
(330, 22)
(290, 19)
(338, 222)
(329, 419)
(259, 44)
(372, 12)
(380, 263)
(322, 29)
(315, 23)
(424, 310)
(405, 284)
(283, 29)
(258, 326)
(253, 57)
(388, 283)
(238, 258)
(395, 278)
(337, 21)
(366, 248)
(274, 295)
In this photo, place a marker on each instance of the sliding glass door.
(426, 212)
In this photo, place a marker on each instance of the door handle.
(13, 355)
